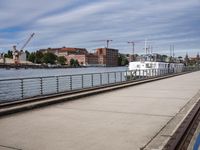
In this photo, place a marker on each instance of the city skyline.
(87, 24)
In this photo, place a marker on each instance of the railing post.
(57, 84)
(100, 78)
(120, 76)
(139, 73)
(70, 84)
(41, 86)
(82, 81)
(126, 72)
(108, 78)
(131, 74)
(143, 73)
(92, 79)
(115, 77)
(22, 88)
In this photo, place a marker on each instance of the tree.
(49, 58)
(180, 58)
(186, 59)
(32, 57)
(27, 54)
(9, 54)
(163, 58)
(198, 59)
(39, 57)
(74, 62)
(61, 60)
(122, 60)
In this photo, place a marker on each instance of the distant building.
(64, 51)
(107, 56)
(103, 56)
(82, 59)
(18, 56)
(92, 59)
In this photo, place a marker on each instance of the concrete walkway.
(125, 119)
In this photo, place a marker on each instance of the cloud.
(76, 23)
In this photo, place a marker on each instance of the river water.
(27, 87)
(24, 73)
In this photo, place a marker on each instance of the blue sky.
(81, 23)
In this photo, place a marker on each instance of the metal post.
(70, 84)
(22, 88)
(115, 77)
(41, 86)
(82, 81)
(100, 78)
(57, 84)
(92, 79)
(108, 78)
(139, 73)
(131, 74)
(126, 75)
(120, 76)
(143, 73)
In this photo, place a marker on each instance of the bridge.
(136, 115)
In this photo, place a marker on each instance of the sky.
(88, 23)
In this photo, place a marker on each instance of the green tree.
(61, 60)
(49, 58)
(32, 57)
(198, 59)
(163, 58)
(39, 57)
(122, 60)
(74, 63)
(9, 54)
(27, 54)
(186, 59)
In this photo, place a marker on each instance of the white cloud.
(71, 23)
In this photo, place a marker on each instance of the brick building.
(102, 57)
(84, 59)
(107, 56)
(92, 59)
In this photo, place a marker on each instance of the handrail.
(24, 88)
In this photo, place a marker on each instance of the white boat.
(152, 68)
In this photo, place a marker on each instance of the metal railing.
(22, 88)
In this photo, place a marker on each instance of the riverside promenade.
(138, 117)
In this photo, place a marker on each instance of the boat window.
(148, 65)
(138, 66)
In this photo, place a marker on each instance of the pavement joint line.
(166, 135)
(10, 147)
(154, 97)
(143, 114)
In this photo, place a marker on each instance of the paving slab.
(125, 119)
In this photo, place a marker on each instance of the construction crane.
(107, 42)
(27, 41)
(133, 49)
(133, 44)
(16, 53)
